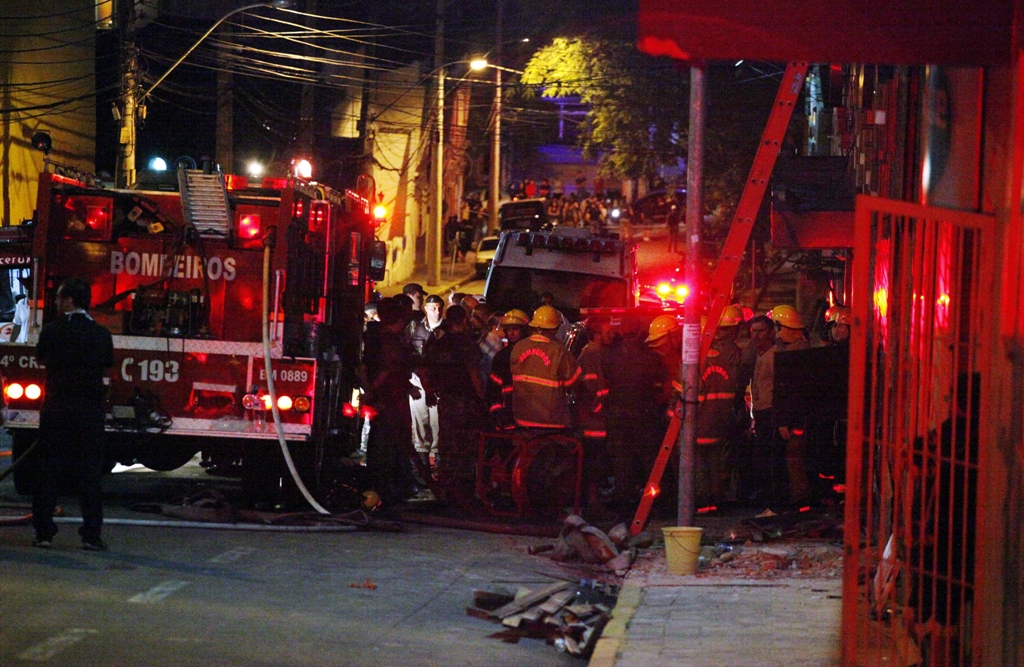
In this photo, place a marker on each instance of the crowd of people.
(441, 371)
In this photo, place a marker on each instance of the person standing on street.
(76, 353)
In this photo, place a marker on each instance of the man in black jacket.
(76, 353)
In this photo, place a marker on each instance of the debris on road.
(212, 506)
(579, 541)
(568, 616)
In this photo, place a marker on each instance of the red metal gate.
(922, 303)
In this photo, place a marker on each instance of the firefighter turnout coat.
(543, 372)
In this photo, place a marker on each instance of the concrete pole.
(435, 226)
(435, 230)
(495, 182)
(691, 310)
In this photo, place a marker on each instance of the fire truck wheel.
(164, 458)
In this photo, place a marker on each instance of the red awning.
(939, 32)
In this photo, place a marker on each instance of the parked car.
(524, 214)
(485, 254)
(653, 208)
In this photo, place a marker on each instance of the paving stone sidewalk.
(663, 620)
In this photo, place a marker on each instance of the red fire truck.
(190, 281)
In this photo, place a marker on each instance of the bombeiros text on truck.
(179, 279)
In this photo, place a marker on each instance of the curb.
(613, 638)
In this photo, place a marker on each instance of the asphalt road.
(188, 596)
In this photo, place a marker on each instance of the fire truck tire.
(166, 457)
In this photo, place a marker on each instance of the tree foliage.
(637, 116)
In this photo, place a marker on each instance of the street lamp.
(135, 105)
(435, 229)
(494, 192)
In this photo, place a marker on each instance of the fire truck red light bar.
(236, 182)
(275, 183)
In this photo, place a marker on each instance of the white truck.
(578, 269)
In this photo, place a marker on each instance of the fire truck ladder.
(204, 201)
(732, 255)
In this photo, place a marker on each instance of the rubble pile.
(571, 617)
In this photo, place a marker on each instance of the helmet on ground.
(839, 315)
(546, 317)
(370, 500)
(787, 317)
(662, 326)
(515, 316)
(731, 316)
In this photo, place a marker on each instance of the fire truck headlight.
(33, 392)
(380, 212)
(682, 292)
(616, 213)
(301, 404)
(15, 391)
(284, 402)
(664, 289)
(267, 403)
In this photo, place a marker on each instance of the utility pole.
(436, 225)
(495, 181)
(129, 96)
(691, 312)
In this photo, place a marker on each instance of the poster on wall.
(951, 137)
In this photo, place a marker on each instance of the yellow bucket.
(682, 546)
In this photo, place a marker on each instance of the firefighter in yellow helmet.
(716, 421)
(543, 374)
(665, 337)
(780, 447)
(838, 319)
(515, 327)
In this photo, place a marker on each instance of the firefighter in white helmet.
(783, 473)
(543, 374)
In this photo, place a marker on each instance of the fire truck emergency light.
(236, 182)
(248, 226)
(380, 212)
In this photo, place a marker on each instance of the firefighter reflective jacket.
(592, 391)
(542, 373)
(717, 395)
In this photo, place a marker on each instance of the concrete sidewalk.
(664, 620)
(452, 278)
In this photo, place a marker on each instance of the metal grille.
(922, 300)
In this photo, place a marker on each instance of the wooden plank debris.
(567, 615)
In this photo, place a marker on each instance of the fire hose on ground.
(268, 243)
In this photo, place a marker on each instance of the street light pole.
(495, 182)
(134, 103)
(434, 230)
